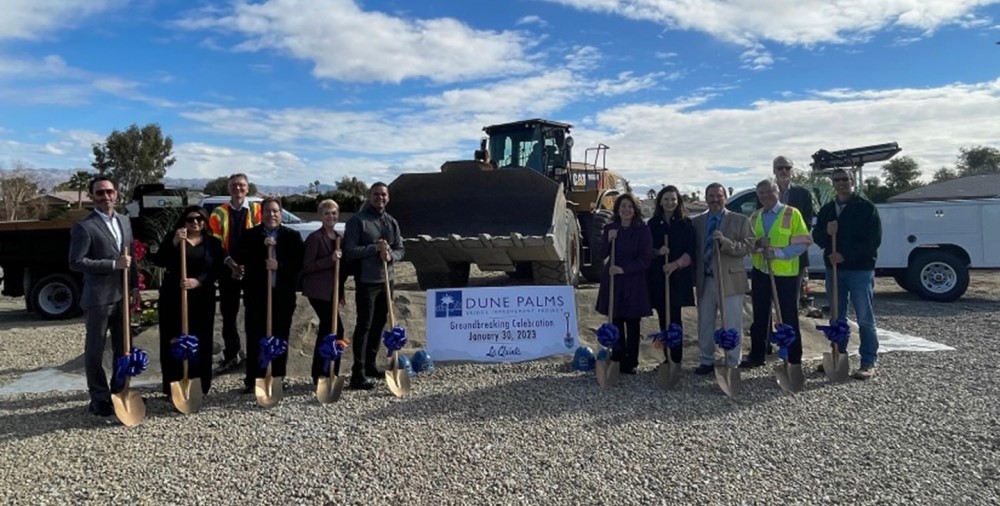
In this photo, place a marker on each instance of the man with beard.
(252, 252)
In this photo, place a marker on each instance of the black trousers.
(324, 310)
(201, 324)
(256, 328)
(100, 319)
(229, 305)
(373, 311)
(627, 351)
(788, 303)
(677, 352)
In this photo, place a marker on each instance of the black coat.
(680, 233)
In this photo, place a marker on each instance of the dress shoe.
(751, 364)
(101, 408)
(247, 389)
(631, 371)
(360, 383)
(704, 369)
(373, 372)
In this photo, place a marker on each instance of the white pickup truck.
(927, 246)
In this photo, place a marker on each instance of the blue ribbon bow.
(783, 336)
(607, 335)
(330, 350)
(727, 339)
(670, 338)
(271, 347)
(394, 339)
(185, 347)
(838, 333)
(130, 365)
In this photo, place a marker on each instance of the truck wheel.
(56, 297)
(901, 280)
(592, 236)
(456, 277)
(562, 272)
(937, 275)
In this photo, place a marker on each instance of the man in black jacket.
(856, 224)
(798, 197)
(371, 237)
(252, 253)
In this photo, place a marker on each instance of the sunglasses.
(783, 167)
(194, 219)
(840, 179)
(104, 192)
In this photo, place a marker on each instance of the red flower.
(140, 249)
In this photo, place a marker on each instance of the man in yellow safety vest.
(780, 236)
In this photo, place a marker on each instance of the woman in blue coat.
(633, 253)
(671, 220)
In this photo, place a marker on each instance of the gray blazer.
(92, 251)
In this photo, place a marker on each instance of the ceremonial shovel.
(789, 376)
(669, 372)
(728, 377)
(607, 371)
(267, 390)
(835, 363)
(328, 389)
(186, 394)
(129, 406)
(397, 379)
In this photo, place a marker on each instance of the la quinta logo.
(448, 304)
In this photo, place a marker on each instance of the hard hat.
(422, 362)
(404, 363)
(583, 359)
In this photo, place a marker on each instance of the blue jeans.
(858, 286)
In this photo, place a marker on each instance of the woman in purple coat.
(633, 253)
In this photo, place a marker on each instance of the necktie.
(713, 225)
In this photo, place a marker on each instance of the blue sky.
(684, 93)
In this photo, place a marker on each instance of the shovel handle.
(126, 307)
(834, 280)
(336, 284)
(774, 293)
(388, 295)
(184, 294)
(718, 281)
(611, 286)
(666, 280)
(270, 286)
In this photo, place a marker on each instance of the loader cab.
(540, 145)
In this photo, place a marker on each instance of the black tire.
(900, 278)
(593, 227)
(566, 271)
(456, 277)
(938, 275)
(56, 297)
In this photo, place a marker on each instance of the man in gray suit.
(99, 248)
(732, 232)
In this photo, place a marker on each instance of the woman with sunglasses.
(204, 265)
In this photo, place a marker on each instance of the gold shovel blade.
(328, 390)
(668, 374)
(614, 373)
(601, 371)
(836, 366)
(796, 379)
(129, 407)
(186, 395)
(728, 379)
(781, 372)
(398, 382)
(269, 391)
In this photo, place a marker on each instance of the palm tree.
(79, 182)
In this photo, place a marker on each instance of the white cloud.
(532, 20)
(346, 43)
(801, 22)
(35, 19)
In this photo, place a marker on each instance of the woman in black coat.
(204, 264)
(670, 219)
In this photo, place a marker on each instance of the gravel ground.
(925, 431)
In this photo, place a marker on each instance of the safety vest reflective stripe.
(218, 222)
(780, 235)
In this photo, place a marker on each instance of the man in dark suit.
(100, 249)
(252, 253)
(798, 197)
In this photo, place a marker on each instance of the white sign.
(503, 324)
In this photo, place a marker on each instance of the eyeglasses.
(194, 219)
(840, 179)
(104, 192)
(783, 167)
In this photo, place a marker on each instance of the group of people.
(699, 262)
(243, 248)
